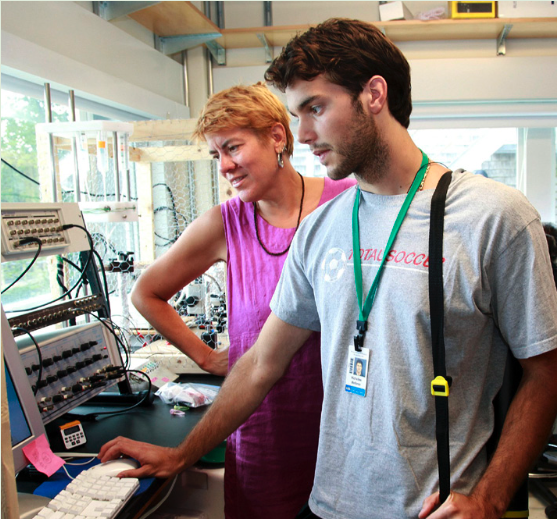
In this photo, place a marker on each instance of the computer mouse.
(113, 467)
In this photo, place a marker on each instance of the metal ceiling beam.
(268, 48)
(217, 51)
(110, 10)
(268, 13)
(502, 40)
(173, 44)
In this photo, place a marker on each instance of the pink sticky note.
(38, 453)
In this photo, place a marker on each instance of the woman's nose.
(226, 164)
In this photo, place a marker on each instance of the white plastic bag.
(191, 395)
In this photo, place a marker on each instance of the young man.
(350, 88)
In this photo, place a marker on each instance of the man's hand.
(457, 506)
(160, 462)
(217, 362)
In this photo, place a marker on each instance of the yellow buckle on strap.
(440, 386)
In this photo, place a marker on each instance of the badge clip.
(359, 341)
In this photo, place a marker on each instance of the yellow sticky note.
(38, 453)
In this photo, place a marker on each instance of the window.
(20, 174)
(491, 152)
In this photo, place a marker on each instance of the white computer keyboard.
(90, 495)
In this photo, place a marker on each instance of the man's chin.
(337, 174)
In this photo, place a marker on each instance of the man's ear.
(278, 135)
(375, 94)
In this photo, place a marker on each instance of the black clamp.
(359, 341)
(361, 326)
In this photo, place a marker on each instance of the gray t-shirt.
(377, 454)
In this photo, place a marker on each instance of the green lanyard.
(365, 309)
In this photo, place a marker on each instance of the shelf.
(174, 19)
(406, 30)
(180, 25)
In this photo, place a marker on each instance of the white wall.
(68, 45)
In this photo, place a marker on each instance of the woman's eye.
(232, 148)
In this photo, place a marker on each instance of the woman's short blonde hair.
(252, 107)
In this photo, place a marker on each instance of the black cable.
(24, 330)
(145, 397)
(169, 241)
(124, 340)
(173, 206)
(107, 244)
(20, 172)
(23, 242)
(118, 339)
(71, 263)
(60, 274)
(81, 278)
(166, 208)
(105, 282)
(95, 195)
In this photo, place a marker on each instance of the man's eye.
(315, 109)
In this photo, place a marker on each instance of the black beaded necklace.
(297, 225)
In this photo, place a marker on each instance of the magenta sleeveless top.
(270, 459)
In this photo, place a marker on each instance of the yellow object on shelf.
(473, 9)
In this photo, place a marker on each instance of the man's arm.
(243, 391)
(525, 433)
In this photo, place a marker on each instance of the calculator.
(73, 434)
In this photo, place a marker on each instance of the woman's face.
(248, 161)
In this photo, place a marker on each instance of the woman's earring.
(280, 160)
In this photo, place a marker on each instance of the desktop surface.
(152, 424)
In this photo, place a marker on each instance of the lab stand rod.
(115, 151)
(48, 118)
(77, 190)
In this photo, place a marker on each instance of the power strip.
(43, 221)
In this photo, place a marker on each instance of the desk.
(152, 424)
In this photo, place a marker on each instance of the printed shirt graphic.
(394, 425)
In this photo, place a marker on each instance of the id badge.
(357, 371)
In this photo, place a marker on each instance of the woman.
(270, 460)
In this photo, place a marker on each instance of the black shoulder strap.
(441, 383)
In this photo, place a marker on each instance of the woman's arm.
(202, 244)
